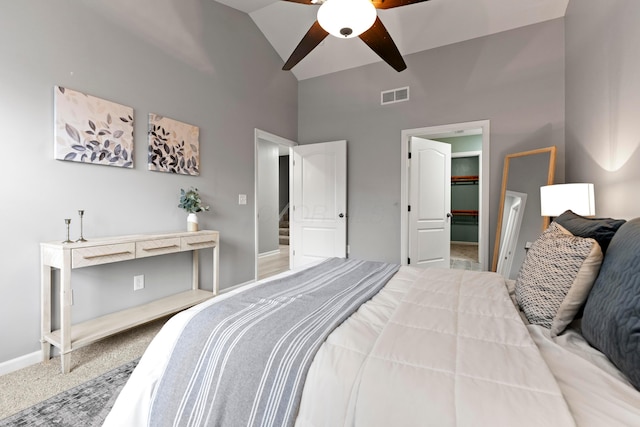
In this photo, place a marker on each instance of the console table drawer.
(157, 247)
(95, 255)
(189, 243)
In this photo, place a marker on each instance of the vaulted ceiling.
(414, 28)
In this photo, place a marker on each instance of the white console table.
(69, 256)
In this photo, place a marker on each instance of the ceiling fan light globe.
(346, 18)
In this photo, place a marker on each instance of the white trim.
(273, 138)
(266, 136)
(20, 362)
(467, 154)
(270, 253)
(484, 209)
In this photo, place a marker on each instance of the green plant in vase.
(190, 201)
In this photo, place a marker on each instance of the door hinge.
(409, 155)
(409, 206)
(408, 260)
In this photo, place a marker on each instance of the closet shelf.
(464, 179)
(465, 216)
(464, 212)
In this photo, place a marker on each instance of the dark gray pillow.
(600, 229)
(611, 321)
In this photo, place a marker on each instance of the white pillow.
(556, 277)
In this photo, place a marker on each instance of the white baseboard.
(20, 362)
(270, 253)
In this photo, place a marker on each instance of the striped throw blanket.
(243, 361)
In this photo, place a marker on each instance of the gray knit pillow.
(556, 277)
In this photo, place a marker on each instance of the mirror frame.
(505, 176)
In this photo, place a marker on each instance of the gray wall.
(603, 102)
(268, 198)
(194, 61)
(515, 79)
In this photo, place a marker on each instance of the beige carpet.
(467, 252)
(26, 387)
(464, 257)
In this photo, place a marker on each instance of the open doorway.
(465, 199)
(272, 184)
(465, 204)
(469, 190)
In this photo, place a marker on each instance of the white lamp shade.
(346, 18)
(556, 199)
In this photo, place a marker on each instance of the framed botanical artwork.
(92, 130)
(174, 146)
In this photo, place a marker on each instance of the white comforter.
(434, 347)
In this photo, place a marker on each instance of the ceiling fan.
(351, 18)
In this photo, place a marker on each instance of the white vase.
(192, 222)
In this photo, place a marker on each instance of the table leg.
(65, 359)
(65, 313)
(216, 270)
(195, 276)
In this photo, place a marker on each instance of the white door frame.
(266, 136)
(483, 214)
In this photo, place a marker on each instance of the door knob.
(341, 215)
(449, 215)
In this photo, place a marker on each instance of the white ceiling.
(414, 28)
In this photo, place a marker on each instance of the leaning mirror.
(519, 220)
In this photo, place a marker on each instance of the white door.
(429, 203)
(319, 202)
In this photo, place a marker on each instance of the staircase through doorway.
(277, 263)
(284, 228)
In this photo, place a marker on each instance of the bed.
(421, 347)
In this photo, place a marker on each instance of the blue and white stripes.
(243, 361)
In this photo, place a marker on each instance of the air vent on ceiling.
(394, 95)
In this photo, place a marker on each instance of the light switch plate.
(242, 199)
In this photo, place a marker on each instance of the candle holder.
(81, 239)
(67, 221)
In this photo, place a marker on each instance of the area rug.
(82, 406)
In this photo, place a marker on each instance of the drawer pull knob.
(106, 255)
(159, 248)
(202, 243)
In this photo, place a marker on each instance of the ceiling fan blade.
(388, 4)
(309, 2)
(378, 39)
(310, 40)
